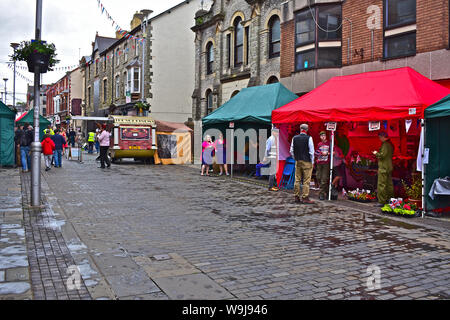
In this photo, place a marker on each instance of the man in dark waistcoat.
(302, 149)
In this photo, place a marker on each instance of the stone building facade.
(113, 82)
(237, 45)
(363, 36)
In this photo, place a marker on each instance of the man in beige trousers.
(302, 149)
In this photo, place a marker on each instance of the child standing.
(48, 146)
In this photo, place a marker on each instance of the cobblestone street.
(165, 232)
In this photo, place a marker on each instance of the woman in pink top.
(207, 154)
(103, 138)
(221, 154)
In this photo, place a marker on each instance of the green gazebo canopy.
(29, 118)
(251, 105)
(437, 132)
(7, 117)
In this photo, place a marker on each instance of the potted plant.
(414, 191)
(142, 106)
(36, 53)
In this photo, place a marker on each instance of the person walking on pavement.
(48, 147)
(97, 143)
(302, 149)
(24, 139)
(322, 155)
(72, 135)
(59, 144)
(91, 141)
(271, 158)
(385, 187)
(49, 131)
(104, 138)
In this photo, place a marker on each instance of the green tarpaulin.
(7, 152)
(29, 118)
(252, 105)
(437, 134)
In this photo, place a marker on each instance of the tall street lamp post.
(36, 145)
(14, 46)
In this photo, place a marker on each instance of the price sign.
(331, 126)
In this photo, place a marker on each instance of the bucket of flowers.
(36, 53)
(361, 195)
(142, 107)
(399, 207)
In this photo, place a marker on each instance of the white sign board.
(331, 126)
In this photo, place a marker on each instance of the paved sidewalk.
(14, 265)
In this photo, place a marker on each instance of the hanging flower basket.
(40, 60)
(36, 54)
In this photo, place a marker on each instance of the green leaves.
(27, 48)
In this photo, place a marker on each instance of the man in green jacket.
(385, 187)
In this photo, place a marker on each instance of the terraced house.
(113, 73)
(237, 45)
(321, 39)
(121, 73)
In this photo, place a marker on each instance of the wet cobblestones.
(253, 243)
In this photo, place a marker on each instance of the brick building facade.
(58, 97)
(325, 38)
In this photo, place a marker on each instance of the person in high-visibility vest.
(49, 131)
(91, 141)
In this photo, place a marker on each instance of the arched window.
(272, 79)
(234, 93)
(238, 42)
(274, 37)
(209, 58)
(209, 101)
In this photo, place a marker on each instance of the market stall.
(437, 168)
(251, 108)
(360, 106)
(29, 118)
(174, 142)
(7, 151)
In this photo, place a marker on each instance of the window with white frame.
(125, 51)
(117, 87)
(117, 57)
(134, 80)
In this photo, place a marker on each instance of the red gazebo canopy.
(371, 96)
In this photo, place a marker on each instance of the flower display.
(399, 207)
(361, 195)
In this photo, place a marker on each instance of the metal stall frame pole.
(36, 145)
(232, 151)
(422, 132)
(331, 165)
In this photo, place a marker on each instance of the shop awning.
(372, 96)
(254, 104)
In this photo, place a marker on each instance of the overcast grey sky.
(69, 24)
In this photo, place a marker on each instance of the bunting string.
(66, 68)
(124, 33)
(18, 74)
